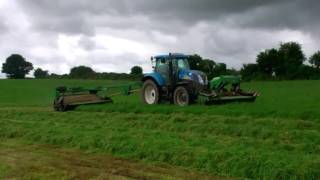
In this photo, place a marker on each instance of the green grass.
(243, 147)
(21, 160)
(277, 137)
(287, 99)
(3, 170)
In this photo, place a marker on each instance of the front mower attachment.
(227, 89)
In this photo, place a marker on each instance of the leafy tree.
(136, 70)
(220, 69)
(249, 71)
(285, 63)
(292, 53)
(268, 62)
(233, 71)
(82, 72)
(40, 74)
(16, 67)
(207, 66)
(195, 62)
(315, 59)
(291, 59)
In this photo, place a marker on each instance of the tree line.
(16, 67)
(288, 62)
(285, 63)
(210, 67)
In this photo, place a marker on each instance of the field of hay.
(277, 137)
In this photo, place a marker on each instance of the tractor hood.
(193, 75)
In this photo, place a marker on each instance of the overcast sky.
(114, 35)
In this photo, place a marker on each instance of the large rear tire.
(181, 96)
(150, 92)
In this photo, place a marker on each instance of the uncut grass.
(270, 148)
(285, 99)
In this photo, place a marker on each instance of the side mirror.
(151, 58)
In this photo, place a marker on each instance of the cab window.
(162, 66)
(183, 64)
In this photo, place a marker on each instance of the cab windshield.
(183, 64)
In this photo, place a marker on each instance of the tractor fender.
(156, 77)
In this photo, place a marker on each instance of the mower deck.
(69, 98)
(74, 100)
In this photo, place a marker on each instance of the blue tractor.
(172, 80)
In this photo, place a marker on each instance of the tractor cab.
(170, 66)
(175, 69)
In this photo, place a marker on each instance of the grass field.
(277, 137)
(19, 160)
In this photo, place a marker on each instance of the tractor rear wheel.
(150, 92)
(181, 96)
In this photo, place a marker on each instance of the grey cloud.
(103, 62)
(188, 8)
(297, 15)
(187, 11)
(170, 16)
(125, 59)
(3, 26)
(57, 16)
(71, 24)
(87, 43)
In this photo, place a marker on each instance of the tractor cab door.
(162, 67)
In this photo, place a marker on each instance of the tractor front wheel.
(150, 92)
(181, 96)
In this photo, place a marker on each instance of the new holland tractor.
(172, 80)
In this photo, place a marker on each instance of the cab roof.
(174, 55)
